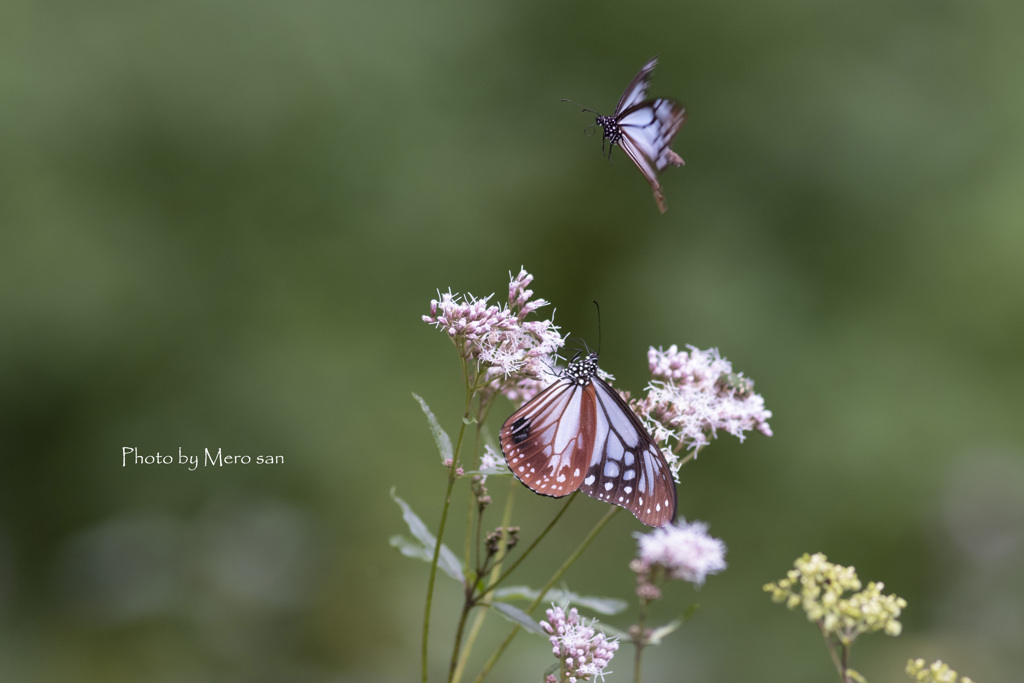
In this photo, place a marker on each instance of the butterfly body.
(644, 129)
(579, 434)
(612, 132)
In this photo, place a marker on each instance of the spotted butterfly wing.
(644, 129)
(579, 434)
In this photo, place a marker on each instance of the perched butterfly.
(579, 434)
(644, 129)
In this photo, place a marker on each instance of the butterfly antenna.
(582, 107)
(598, 306)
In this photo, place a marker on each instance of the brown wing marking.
(548, 442)
(627, 468)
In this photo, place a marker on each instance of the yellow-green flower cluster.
(819, 586)
(936, 672)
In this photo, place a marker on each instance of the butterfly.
(644, 129)
(578, 433)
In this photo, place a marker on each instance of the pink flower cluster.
(510, 352)
(693, 394)
(684, 551)
(582, 651)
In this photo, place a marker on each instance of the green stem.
(467, 605)
(551, 582)
(533, 545)
(474, 514)
(478, 622)
(433, 565)
(468, 543)
(840, 664)
(441, 526)
(640, 641)
(474, 631)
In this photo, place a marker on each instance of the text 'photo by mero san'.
(130, 455)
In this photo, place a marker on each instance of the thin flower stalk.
(437, 549)
(498, 348)
(640, 640)
(587, 540)
(474, 599)
(532, 545)
(682, 551)
(832, 597)
(478, 622)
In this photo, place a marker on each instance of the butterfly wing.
(636, 91)
(647, 130)
(548, 442)
(652, 125)
(626, 467)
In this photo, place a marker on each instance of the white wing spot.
(589, 480)
(608, 486)
(628, 489)
(611, 469)
(629, 475)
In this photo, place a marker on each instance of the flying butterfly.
(644, 129)
(578, 433)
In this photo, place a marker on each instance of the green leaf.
(493, 472)
(423, 545)
(444, 444)
(410, 548)
(594, 603)
(658, 634)
(518, 617)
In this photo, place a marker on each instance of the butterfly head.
(581, 368)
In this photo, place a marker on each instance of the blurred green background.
(221, 223)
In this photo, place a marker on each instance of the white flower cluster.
(583, 652)
(685, 551)
(694, 394)
(511, 350)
